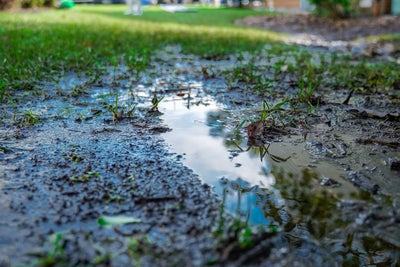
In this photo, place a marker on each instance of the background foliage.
(7, 4)
(336, 8)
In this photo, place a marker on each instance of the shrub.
(334, 8)
(31, 3)
(49, 3)
(5, 4)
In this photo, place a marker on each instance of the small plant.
(113, 196)
(56, 255)
(306, 95)
(5, 149)
(274, 112)
(271, 110)
(32, 3)
(245, 234)
(308, 76)
(27, 118)
(137, 246)
(250, 75)
(85, 177)
(333, 8)
(76, 158)
(364, 76)
(78, 90)
(305, 92)
(119, 111)
(95, 79)
(3, 88)
(155, 101)
(280, 66)
(138, 62)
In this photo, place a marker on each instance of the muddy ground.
(71, 153)
(352, 34)
(326, 28)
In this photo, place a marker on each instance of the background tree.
(335, 8)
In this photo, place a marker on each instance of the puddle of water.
(204, 150)
(242, 176)
(196, 137)
(274, 195)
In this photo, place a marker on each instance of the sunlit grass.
(386, 37)
(39, 45)
(34, 45)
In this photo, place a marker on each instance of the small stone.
(394, 164)
(326, 181)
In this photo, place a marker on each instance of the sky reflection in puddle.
(198, 136)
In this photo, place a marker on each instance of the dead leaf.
(255, 129)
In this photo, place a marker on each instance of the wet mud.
(355, 35)
(169, 148)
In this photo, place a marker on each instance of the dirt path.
(326, 28)
(342, 35)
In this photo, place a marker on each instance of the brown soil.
(326, 28)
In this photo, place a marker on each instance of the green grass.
(38, 45)
(382, 38)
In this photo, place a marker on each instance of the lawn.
(40, 44)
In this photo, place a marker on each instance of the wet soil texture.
(344, 35)
(89, 148)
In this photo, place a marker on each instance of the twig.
(346, 102)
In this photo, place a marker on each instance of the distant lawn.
(33, 45)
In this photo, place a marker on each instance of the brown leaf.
(255, 129)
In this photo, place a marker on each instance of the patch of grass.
(27, 118)
(120, 110)
(364, 76)
(76, 158)
(56, 255)
(50, 42)
(115, 108)
(138, 61)
(78, 90)
(155, 101)
(86, 177)
(249, 76)
(382, 38)
(273, 111)
(3, 89)
(5, 149)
